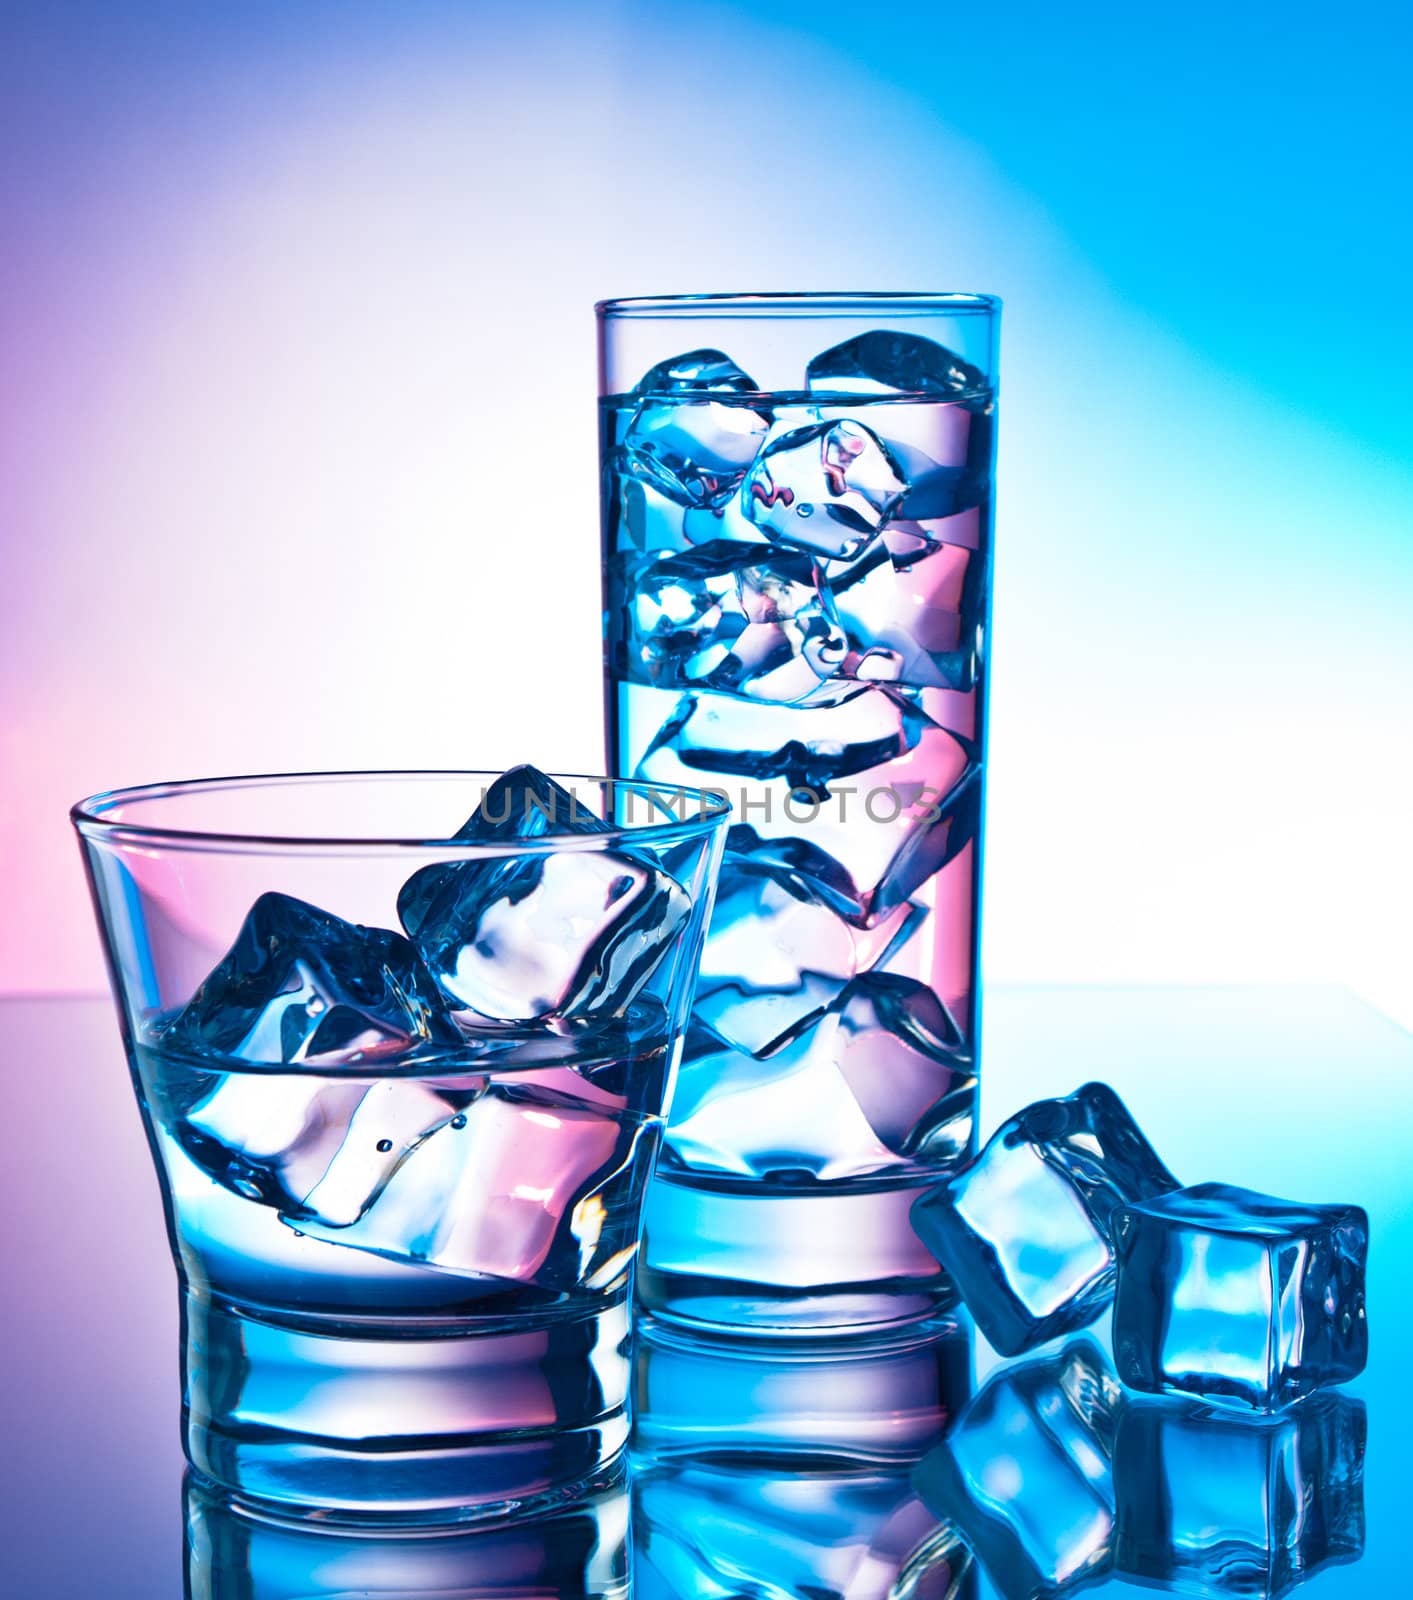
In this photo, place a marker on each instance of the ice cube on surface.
(1238, 1297)
(824, 486)
(724, 616)
(489, 1191)
(300, 985)
(695, 450)
(1024, 1230)
(1238, 1505)
(1026, 1474)
(885, 362)
(696, 372)
(880, 1080)
(558, 936)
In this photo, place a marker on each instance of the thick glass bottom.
(370, 1425)
(759, 1261)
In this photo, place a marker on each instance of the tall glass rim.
(709, 810)
(813, 303)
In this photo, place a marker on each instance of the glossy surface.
(91, 1477)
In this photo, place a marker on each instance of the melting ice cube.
(696, 372)
(722, 617)
(300, 985)
(884, 362)
(824, 486)
(1027, 1473)
(1025, 1229)
(557, 936)
(1238, 1297)
(694, 450)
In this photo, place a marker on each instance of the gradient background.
(297, 441)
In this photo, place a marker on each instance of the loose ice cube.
(880, 1080)
(883, 362)
(1024, 1230)
(486, 1193)
(301, 985)
(557, 936)
(725, 616)
(696, 372)
(1229, 1505)
(826, 487)
(1238, 1297)
(778, 953)
(696, 451)
(1027, 1475)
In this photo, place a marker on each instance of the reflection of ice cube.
(557, 935)
(720, 617)
(487, 1192)
(778, 952)
(826, 486)
(1238, 1297)
(1024, 1230)
(696, 451)
(301, 985)
(1026, 1475)
(1228, 1505)
(880, 1079)
(696, 372)
(885, 362)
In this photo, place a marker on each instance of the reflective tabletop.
(763, 1470)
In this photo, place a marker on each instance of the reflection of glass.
(577, 1552)
(768, 1472)
(403, 1195)
(1056, 1479)
(797, 532)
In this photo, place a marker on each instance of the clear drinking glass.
(797, 533)
(403, 1087)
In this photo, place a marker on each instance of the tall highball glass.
(797, 513)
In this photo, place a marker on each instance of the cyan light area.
(297, 451)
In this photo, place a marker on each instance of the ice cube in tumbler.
(1241, 1505)
(1238, 1297)
(1024, 1230)
(300, 985)
(1026, 1474)
(824, 486)
(555, 937)
(886, 362)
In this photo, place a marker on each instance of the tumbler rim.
(806, 303)
(709, 810)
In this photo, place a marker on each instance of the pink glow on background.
(297, 459)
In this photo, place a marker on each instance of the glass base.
(759, 1261)
(359, 1424)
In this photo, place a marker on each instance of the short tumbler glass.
(797, 496)
(403, 1196)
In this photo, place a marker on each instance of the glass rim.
(709, 810)
(811, 303)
